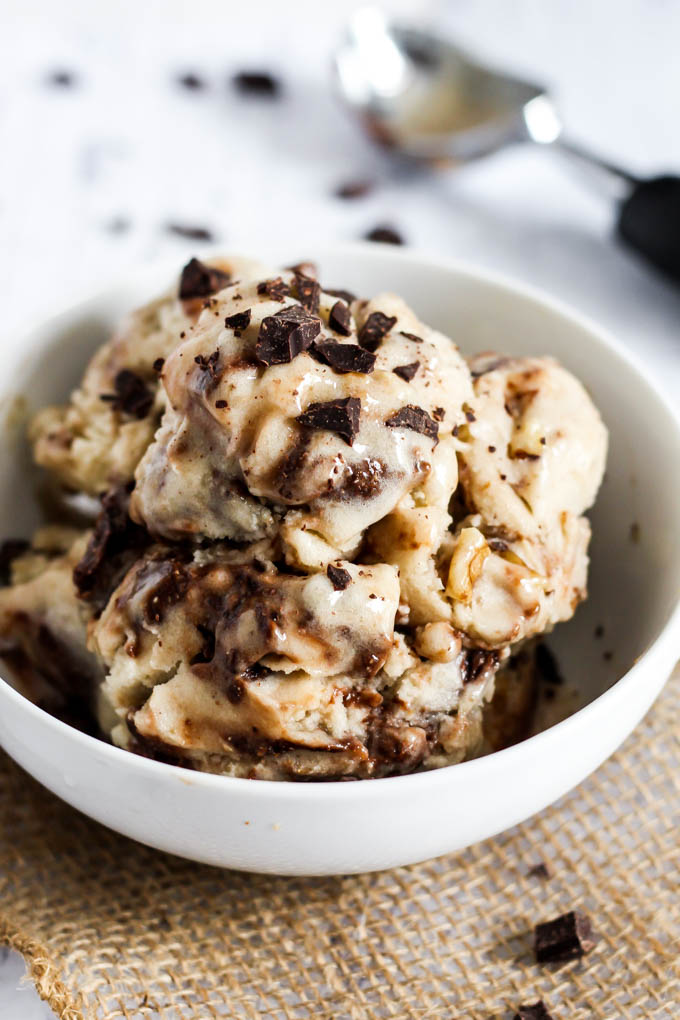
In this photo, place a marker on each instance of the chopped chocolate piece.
(198, 280)
(276, 289)
(533, 1011)
(374, 329)
(407, 372)
(158, 365)
(308, 292)
(285, 335)
(438, 413)
(416, 419)
(305, 269)
(566, 937)
(338, 576)
(191, 232)
(340, 318)
(384, 235)
(131, 395)
(354, 189)
(411, 336)
(221, 403)
(345, 295)
(540, 870)
(341, 416)
(9, 550)
(191, 81)
(257, 83)
(344, 358)
(238, 321)
(547, 667)
(62, 79)
(208, 364)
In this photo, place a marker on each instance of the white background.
(125, 143)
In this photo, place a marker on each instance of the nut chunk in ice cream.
(290, 412)
(96, 440)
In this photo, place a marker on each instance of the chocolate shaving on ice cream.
(344, 358)
(198, 280)
(285, 335)
(376, 327)
(341, 416)
(416, 419)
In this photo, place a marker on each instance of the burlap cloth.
(112, 929)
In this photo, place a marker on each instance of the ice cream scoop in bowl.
(616, 651)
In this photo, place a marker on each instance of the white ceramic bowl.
(328, 828)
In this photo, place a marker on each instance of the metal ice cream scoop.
(422, 97)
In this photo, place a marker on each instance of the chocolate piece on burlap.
(111, 929)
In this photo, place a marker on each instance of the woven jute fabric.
(112, 929)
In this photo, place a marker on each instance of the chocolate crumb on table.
(193, 233)
(190, 81)
(62, 78)
(354, 189)
(384, 235)
(540, 870)
(566, 937)
(257, 83)
(533, 1011)
(118, 225)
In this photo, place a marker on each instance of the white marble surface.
(126, 144)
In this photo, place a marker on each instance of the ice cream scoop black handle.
(649, 222)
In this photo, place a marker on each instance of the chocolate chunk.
(209, 364)
(344, 358)
(191, 81)
(62, 79)
(158, 365)
(338, 576)
(198, 280)
(341, 416)
(285, 335)
(276, 289)
(540, 870)
(345, 295)
(385, 235)
(407, 372)
(354, 189)
(257, 83)
(411, 336)
(547, 667)
(193, 233)
(308, 292)
(416, 419)
(533, 1011)
(238, 321)
(340, 318)
(131, 395)
(438, 413)
(376, 327)
(9, 550)
(566, 937)
(113, 543)
(220, 404)
(305, 269)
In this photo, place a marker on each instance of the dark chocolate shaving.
(308, 292)
(416, 419)
(257, 83)
(340, 318)
(384, 235)
(114, 543)
(198, 280)
(285, 335)
(376, 327)
(411, 336)
(276, 289)
(192, 233)
(209, 364)
(131, 395)
(338, 576)
(341, 416)
(238, 321)
(407, 372)
(533, 1011)
(10, 549)
(344, 358)
(566, 937)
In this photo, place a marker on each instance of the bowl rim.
(664, 649)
